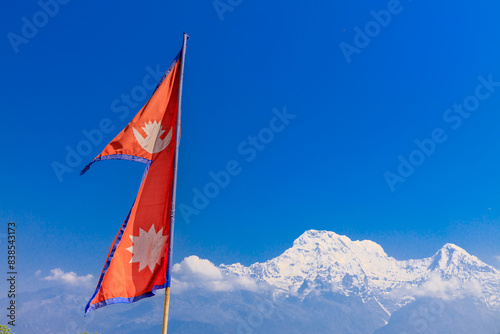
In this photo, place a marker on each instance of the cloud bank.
(437, 287)
(196, 273)
(70, 278)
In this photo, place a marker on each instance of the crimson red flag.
(137, 263)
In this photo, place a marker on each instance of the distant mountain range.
(324, 283)
(322, 261)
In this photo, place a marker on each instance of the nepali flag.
(138, 260)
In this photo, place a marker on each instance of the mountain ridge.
(324, 261)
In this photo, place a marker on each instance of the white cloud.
(497, 258)
(194, 272)
(437, 287)
(69, 278)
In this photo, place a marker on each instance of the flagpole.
(174, 186)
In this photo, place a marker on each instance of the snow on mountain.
(322, 261)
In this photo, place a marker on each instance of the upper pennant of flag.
(141, 139)
(148, 248)
(153, 143)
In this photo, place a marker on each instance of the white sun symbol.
(148, 248)
(152, 143)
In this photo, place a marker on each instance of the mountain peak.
(315, 236)
(451, 259)
(318, 234)
(451, 252)
(328, 241)
(452, 247)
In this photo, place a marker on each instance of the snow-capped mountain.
(325, 283)
(322, 261)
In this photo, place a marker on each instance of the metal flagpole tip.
(186, 35)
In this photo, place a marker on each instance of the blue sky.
(326, 169)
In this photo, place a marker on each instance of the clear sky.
(360, 83)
